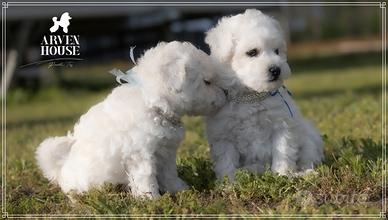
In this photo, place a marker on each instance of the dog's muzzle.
(274, 73)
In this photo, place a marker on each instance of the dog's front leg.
(225, 158)
(168, 178)
(311, 152)
(141, 173)
(254, 168)
(284, 152)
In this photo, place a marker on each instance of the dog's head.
(65, 17)
(184, 77)
(253, 45)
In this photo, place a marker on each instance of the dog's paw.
(146, 195)
(178, 186)
(310, 172)
(150, 192)
(182, 185)
(72, 198)
(283, 171)
(307, 172)
(255, 168)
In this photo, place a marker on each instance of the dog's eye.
(252, 53)
(207, 82)
(277, 51)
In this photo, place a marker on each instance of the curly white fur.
(131, 137)
(269, 133)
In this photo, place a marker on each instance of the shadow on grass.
(339, 61)
(198, 172)
(347, 147)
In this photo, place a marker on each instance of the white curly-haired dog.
(260, 126)
(132, 136)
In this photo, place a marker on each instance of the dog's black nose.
(225, 92)
(275, 73)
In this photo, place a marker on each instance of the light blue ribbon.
(128, 77)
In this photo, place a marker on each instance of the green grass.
(344, 102)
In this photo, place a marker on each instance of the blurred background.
(334, 54)
(335, 34)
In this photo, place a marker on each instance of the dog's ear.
(175, 73)
(221, 39)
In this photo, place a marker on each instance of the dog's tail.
(55, 26)
(51, 155)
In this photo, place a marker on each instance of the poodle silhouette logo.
(63, 23)
(60, 44)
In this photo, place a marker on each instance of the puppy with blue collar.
(260, 127)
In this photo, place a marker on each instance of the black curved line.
(50, 60)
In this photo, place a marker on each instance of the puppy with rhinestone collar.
(132, 136)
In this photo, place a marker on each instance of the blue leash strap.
(285, 102)
(288, 91)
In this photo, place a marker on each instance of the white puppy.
(260, 126)
(131, 137)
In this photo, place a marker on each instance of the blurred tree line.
(106, 37)
(324, 23)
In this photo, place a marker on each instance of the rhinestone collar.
(172, 119)
(250, 98)
(256, 97)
